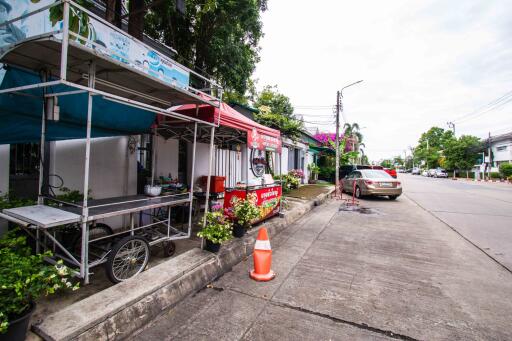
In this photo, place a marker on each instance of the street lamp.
(339, 96)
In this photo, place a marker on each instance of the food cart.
(69, 74)
(263, 150)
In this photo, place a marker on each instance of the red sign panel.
(267, 199)
(263, 142)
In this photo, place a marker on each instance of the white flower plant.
(25, 277)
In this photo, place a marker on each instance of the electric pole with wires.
(337, 145)
(339, 108)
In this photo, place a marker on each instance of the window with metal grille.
(24, 170)
(24, 159)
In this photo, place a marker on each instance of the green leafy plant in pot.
(25, 277)
(244, 212)
(215, 231)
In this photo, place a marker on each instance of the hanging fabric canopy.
(258, 136)
(21, 113)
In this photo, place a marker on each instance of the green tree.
(431, 146)
(386, 163)
(353, 131)
(216, 37)
(277, 102)
(398, 160)
(241, 98)
(462, 153)
(276, 111)
(365, 160)
(288, 126)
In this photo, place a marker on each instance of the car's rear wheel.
(358, 192)
(393, 197)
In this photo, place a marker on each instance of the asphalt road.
(396, 273)
(479, 211)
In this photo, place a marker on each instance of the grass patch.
(308, 192)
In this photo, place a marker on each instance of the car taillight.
(398, 184)
(368, 182)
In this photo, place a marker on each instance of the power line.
(495, 104)
(314, 106)
(486, 111)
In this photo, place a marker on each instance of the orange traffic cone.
(262, 258)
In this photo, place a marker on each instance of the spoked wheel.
(169, 248)
(97, 249)
(128, 258)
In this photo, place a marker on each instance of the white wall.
(308, 160)
(202, 153)
(113, 168)
(167, 157)
(504, 155)
(4, 179)
(288, 146)
(4, 168)
(228, 163)
(284, 160)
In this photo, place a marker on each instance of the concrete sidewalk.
(396, 274)
(119, 310)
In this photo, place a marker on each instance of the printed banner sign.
(263, 142)
(268, 200)
(95, 35)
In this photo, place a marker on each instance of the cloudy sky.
(423, 63)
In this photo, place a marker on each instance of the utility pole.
(337, 143)
(427, 154)
(490, 159)
(451, 125)
(339, 107)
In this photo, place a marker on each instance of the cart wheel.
(101, 246)
(169, 248)
(128, 258)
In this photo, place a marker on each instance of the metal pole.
(281, 182)
(40, 198)
(427, 154)
(84, 267)
(65, 41)
(208, 179)
(490, 159)
(247, 163)
(337, 144)
(192, 178)
(153, 156)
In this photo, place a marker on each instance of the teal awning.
(317, 149)
(21, 113)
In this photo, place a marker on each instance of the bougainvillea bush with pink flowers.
(298, 173)
(328, 140)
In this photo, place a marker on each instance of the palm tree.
(352, 131)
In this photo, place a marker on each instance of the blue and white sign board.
(94, 34)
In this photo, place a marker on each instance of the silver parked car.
(415, 171)
(372, 182)
(440, 173)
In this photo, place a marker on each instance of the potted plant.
(24, 277)
(244, 212)
(216, 230)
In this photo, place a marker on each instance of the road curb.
(119, 311)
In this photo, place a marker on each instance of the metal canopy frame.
(94, 74)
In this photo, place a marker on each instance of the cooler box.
(216, 183)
